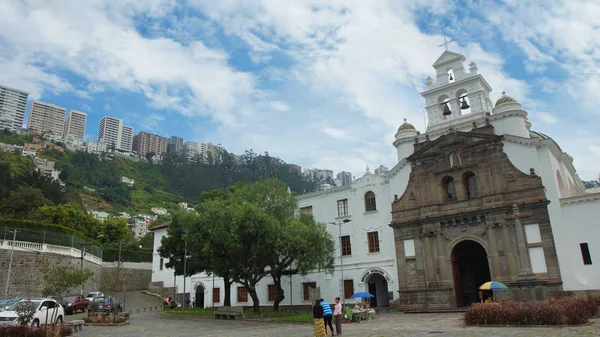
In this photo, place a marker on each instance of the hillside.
(93, 181)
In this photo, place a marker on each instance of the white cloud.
(595, 150)
(547, 117)
(334, 133)
(107, 107)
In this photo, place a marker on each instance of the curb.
(255, 320)
(107, 324)
(151, 294)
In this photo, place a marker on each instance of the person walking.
(319, 327)
(327, 315)
(337, 314)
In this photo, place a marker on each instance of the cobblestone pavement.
(395, 324)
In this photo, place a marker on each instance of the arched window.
(449, 189)
(370, 202)
(451, 77)
(471, 187)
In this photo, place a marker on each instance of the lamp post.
(184, 269)
(339, 224)
(82, 258)
(12, 251)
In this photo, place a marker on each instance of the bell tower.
(455, 93)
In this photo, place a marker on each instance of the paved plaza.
(395, 324)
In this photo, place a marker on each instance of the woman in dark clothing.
(319, 329)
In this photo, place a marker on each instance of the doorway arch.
(377, 285)
(199, 298)
(470, 269)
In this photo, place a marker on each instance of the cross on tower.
(446, 43)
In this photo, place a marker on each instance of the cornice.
(581, 199)
(324, 192)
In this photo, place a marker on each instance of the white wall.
(522, 157)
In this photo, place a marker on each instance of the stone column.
(429, 260)
(525, 273)
(441, 256)
(511, 262)
(493, 258)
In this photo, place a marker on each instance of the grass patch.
(295, 319)
(194, 312)
(268, 314)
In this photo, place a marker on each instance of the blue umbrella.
(361, 295)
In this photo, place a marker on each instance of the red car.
(74, 302)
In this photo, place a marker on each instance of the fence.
(51, 239)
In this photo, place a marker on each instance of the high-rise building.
(145, 142)
(190, 149)
(126, 138)
(210, 151)
(381, 169)
(319, 173)
(109, 132)
(75, 124)
(46, 117)
(175, 145)
(12, 108)
(344, 177)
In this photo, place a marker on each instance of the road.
(133, 300)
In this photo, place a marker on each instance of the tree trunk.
(280, 293)
(255, 300)
(227, 300)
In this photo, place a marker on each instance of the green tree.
(115, 231)
(146, 241)
(70, 216)
(22, 201)
(60, 279)
(149, 156)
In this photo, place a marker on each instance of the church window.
(342, 207)
(305, 291)
(242, 294)
(373, 238)
(162, 261)
(471, 185)
(308, 210)
(370, 202)
(216, 295)
(449, 189)
(585, 253)
(346, 247)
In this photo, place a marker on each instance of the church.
(478, 196)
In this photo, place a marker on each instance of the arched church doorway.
(199, 301)
(470, 269)
(377, 286)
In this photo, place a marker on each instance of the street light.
(339, 224)
(184, 270)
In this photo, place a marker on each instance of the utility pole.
(184, 270)
(12, 251)
(119, 273)
(339, 224)
(82, 256)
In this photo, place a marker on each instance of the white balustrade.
(46, 248)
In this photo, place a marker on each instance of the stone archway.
(199, 296)
(470, 269)
(376, 283)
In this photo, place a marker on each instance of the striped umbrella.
(493, 285)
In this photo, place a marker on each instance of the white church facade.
(406, 233)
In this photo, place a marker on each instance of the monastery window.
(373, 238)
(305, 291)
(370, 202)
(161, 264)
(273, 293)
(585, 253)
(449, 189)
(471, 185)
(308, 210)
(346, 247)
(348, 288)
(216, 295)
(342, 207)
(242, 294)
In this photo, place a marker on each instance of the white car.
(94, 295)
(46, 310)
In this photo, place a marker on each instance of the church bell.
(464, 105)
(446, 110)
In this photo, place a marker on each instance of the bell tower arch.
(455, 92)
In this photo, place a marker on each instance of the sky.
(322, 84)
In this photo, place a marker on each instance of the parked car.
(45, 310)
(93, 295)
(74, 302)
(7, 302)
(108, 305)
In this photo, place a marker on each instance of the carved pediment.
(432, 148)
(448, 56)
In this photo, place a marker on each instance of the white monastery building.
(478, 196)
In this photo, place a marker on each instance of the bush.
(26, 331)
(103, 318)
(565, 311)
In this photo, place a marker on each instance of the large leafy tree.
(22, 201)
(70, 216)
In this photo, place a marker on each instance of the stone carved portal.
(199, 302)
(470, 270)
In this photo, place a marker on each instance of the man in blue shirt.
(327, 315)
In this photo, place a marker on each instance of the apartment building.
(46, 118)
(126, 138)
(114, 134)
(175, 145)
(75, 124)
(12, 108)
(190, 149)
(145, 142)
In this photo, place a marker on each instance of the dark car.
(108, 305)
(74, 302)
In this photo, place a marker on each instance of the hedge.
(127, 255)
